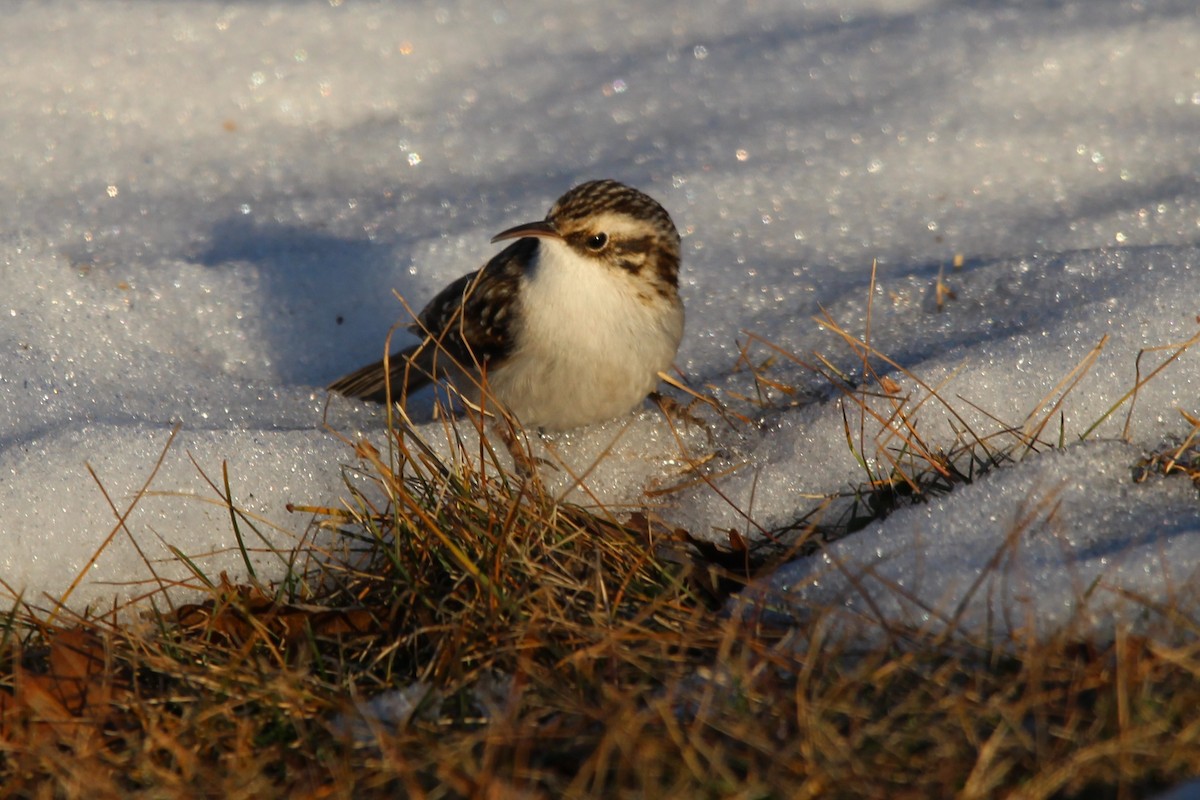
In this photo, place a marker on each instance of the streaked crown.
(608, 220)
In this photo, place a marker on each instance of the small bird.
(567, 326)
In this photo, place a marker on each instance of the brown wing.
(469, 322)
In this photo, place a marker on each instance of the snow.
(207, 207)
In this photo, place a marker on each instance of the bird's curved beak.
(542, 228)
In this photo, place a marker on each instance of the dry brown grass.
(545, 650)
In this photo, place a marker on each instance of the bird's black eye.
(597, 241)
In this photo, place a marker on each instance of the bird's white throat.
(596, 337)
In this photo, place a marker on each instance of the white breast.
(592, 340)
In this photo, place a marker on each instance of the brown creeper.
(569, 325)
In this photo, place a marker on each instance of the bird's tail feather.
(402, 372)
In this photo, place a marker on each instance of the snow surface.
(206, 209)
